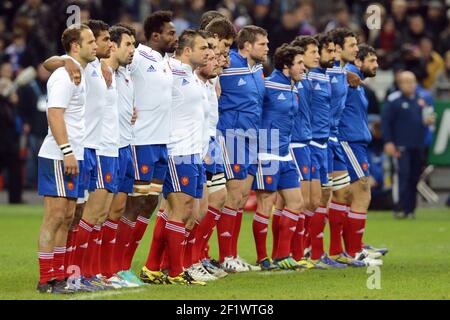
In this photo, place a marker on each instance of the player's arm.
(353, 79)
(57, 125)
(107, 74)
(55, 62)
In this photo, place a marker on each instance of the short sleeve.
(59, 89)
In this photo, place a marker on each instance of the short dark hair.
(222, 27)
(97, 26)
(304, 41)
(209, 16)
(72, 34)
(116, 33)
(364, 51)
(127, 26)
(187, 38)
(155, 22)
(285, 55)
(340, 34)
(323, 39)
(249, 34)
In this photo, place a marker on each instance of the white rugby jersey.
(109, 143)
(95, 102)
(189, 98)
(214, 109)
(153, 81)
(125, 89)
(63, 93)
(206, 104)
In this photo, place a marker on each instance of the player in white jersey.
(152, 81)
(85, 242)
(60, 158)
(184, 182)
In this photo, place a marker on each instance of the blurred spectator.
(441, 88)
(260, 14)
(444, 39)
(399, 9)
(415, 30)
(305, 16)
(436, 17)
(284, 32)
(194, 12)
(32, 109)
(341, 19)
(433, 62)
(385, 43)
(16, 50)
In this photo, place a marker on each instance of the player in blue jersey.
(346, 49)
(276, 170)
(240, 107)
(354, 136)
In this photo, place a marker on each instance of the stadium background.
(417, 265)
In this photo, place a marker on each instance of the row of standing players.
(126, 125)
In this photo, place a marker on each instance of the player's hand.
(106, 74)
(430, 120)
(390, 149)
(134, 116)
(73, 70)
(71, 165)
(353, 79)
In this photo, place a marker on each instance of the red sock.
(174, 233)
(59, 272)
(205, 254)
(81, 243)
(109, 230)
(225, 228)
(336, 215)
(45, 267)
(275, 230)
(155, 254)
(297, 242)
(356, 223)
(236, 231)
(288, 224)
(259, 226)
(317, 227)
(165, 263)
(138, 233)
(70, 248)
(88, 264)
(204, 230)
(346, 231)
(307, 237)
(190, 241)
(124, 231)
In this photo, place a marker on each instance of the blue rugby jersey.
(320, 92)
(339, 89)
(302, 122)
(353, 126)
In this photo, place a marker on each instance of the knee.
(314, 203)
(56, 220)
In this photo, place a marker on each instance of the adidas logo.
(299, 86)
(151, 69)
(292, 228)
(94, 74)
(61, 268)
(281, 97)
(241, 82)
(185, 82)
(226, 234)
(361, 231)
(206, 236)
(263, 230)
(317, 87)
(191, 241)
(320, 235)
(334, 80)
(84, 245)
(113, 241)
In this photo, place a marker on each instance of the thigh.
(293, 198)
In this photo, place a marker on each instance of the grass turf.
(417, 266)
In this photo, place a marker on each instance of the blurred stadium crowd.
(414, 35)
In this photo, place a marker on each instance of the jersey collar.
(351, 67)
(280, 77)
(154, 53)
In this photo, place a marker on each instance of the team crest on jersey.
(184, 82)
(70, 185)
(241, 82)
(184, 181)
(237, 168)
(334, 80)
(365, 166)
(151, 69)
(305, 169)
(144, 169)
(281, 97)
(108, 177)
(269, 179)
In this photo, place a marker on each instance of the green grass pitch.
(417, 266)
